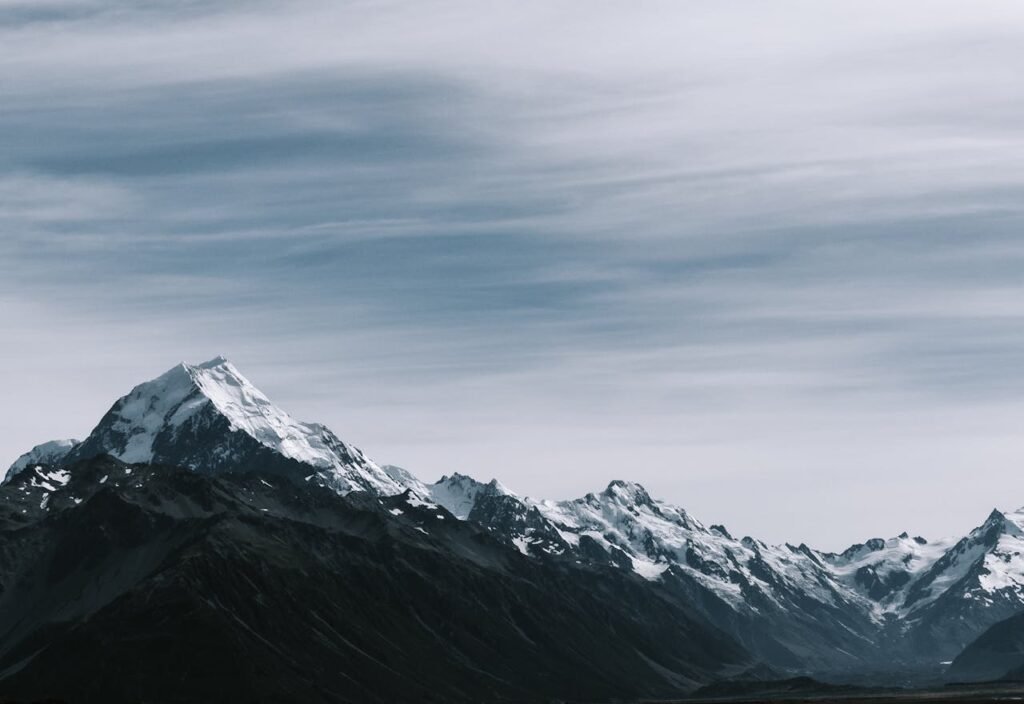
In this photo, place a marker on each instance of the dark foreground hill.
(996, 654)
(139, 583)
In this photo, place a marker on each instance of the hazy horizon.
(763, 260)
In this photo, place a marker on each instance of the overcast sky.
(764, 258)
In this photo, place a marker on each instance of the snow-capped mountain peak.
(208, 417)
(459, 493)
(981, 573)
(47, 453)
(1012, 521)
(1003, 564)
(627, 493)
(883, 569)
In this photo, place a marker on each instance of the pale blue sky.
(765, 259)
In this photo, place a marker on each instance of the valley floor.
(952, 694)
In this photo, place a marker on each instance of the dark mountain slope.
(780, 604)
(997, 653)
(160, 585)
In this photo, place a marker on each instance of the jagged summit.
(1007, 520)
(208, 417)
(458, 479)
(459, 493)
(627, 492)
(884, 569)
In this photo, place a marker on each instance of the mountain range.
(223, 548)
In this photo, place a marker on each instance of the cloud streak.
(751, 258)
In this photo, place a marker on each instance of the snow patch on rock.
(52, 452)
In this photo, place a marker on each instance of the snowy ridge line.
(210, 418)
(894, 578)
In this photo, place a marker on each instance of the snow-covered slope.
(1002, 567)
(928, 596)
(656, 536)
(650, 536)
(210, 418)
(989, 562)
(883, 570)
(405, 478)
(51, 452)
(782, 601)
(459, 493)
(884, 577)
(974, 584)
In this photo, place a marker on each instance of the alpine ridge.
(900, 605)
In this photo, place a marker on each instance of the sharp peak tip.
(218, 361)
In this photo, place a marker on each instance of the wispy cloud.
(745, 254)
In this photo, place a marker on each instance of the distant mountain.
(882, 570)
(460, 494)
(900, 603)
(976, 583)
(782, 603)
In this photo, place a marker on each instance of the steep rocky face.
(976, 583)
(260, 588)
